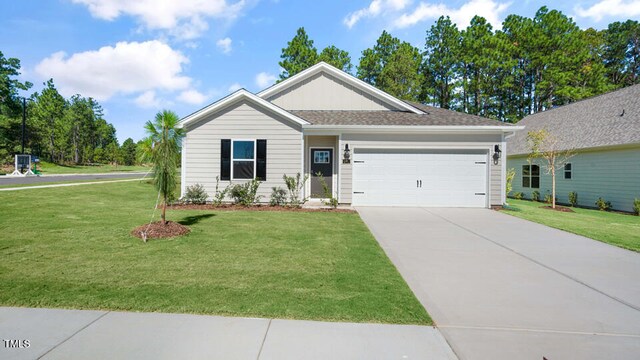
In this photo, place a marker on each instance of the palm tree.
(165, 139)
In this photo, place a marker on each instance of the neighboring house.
(370, 147)
(605, 133)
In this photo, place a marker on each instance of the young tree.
(547, 146)
(298, 55)
(165, 139)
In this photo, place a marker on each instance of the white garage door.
(390, 177)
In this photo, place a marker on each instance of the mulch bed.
(559, 208)
(158, 230)
(234, 207)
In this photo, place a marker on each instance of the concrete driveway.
(500, 287)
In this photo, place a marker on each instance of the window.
(243, 159)
(321, 157)
(531, 176)
(567, 171)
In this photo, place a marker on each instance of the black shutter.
(261, 160)
(225, 159)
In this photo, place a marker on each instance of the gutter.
(412, 128)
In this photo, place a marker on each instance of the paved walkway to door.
(499, 287)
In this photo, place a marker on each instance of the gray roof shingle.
(589, 123)
(433, 117)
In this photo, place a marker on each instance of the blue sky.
(138, 57)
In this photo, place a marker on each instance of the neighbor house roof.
(397, 118)
(610, 119)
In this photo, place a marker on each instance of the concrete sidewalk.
(80, 334)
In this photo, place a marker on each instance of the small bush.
(602, 204)
(511, 173)
(573, 198)
(535, 195)
(328, 195)
(278, 196)
(636, 206)
(518, 195)
(195, 194)
(548, 199)
(295, 186)
(246, 194)
(220, 195)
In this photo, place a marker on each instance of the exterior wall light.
(346, 158)
(497, 154)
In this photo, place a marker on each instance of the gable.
(324, 87)
(325, 92)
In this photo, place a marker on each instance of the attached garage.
(421, 177)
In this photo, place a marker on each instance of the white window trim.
(328, 158)
(255, 156)
(565, 171)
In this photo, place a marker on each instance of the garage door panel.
(391, 178)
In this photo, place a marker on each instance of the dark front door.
(321, 163)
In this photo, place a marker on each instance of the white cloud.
(489, 9)
(375, 8)
(224, 45)
(604, 8)
(193, 97)
(148, 99)
(265, 79)
(235, 87)
(185, 19)
(126, 68)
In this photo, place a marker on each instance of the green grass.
(612, 228)
(71, 248)
(49, 168)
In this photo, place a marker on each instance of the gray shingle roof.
(433, 117)
(589, 123)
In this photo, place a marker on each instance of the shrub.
(573, 198)
(518, 195)
(246, 194)
(328, 195)
(636, 206)
(602, 204)
(511, 173)
(535, 195)
(547, 198)
(195, 194)
(220, 195)
(278, 196)
(295, 186)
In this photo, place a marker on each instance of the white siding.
(324, 92)
(435, 141)
(613, 175)
(242, 121)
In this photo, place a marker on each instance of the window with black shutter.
(225, 159)
(261, 159)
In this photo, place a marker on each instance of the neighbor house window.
(531, 176)
(321, 157)
(567, 171)
(243, 159)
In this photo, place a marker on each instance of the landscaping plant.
(220, 195)
(329, 199)
(518, 195)
(602, 204)
(195, 194)
(164, 139)
(246, 194)
(278, 196)
(295, 184)
(511, 173)
(535, 195)
(636, 206)
(573, 198)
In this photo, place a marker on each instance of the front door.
(321, 169)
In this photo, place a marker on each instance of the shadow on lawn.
(190, 220)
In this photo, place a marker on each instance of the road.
(9, 180)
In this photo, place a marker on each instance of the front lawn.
(612, 228)
(51, 169)
(71, 248)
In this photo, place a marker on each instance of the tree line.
(60, 130)
(529, 65)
